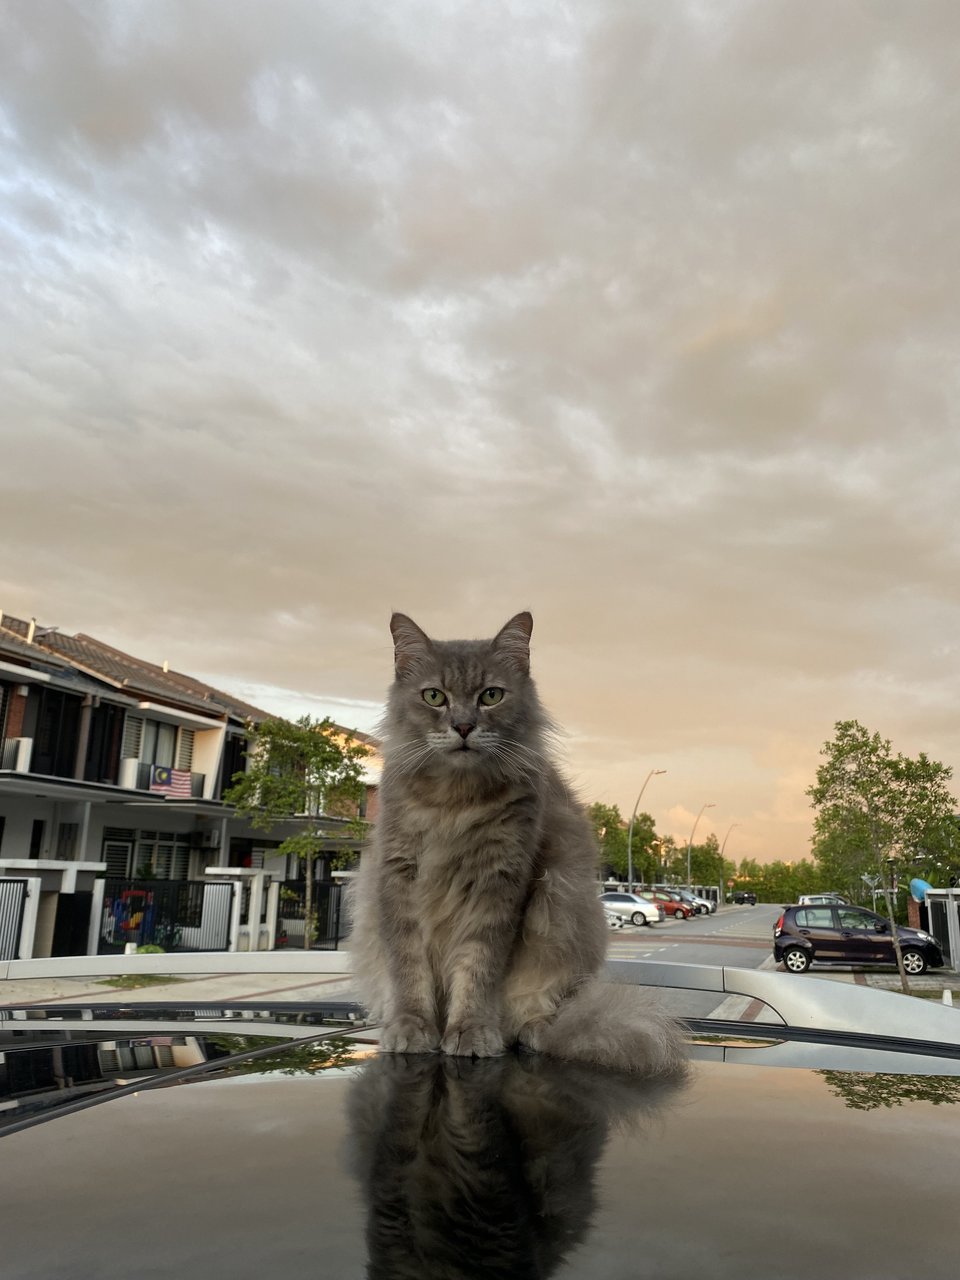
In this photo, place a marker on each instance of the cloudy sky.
(642, 316)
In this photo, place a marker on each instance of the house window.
(68, 835)
(159, 743)
(234, 760)
(162, 855)
(36, 837)
(103, 749)
(55, 740)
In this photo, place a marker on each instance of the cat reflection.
(483, 1167)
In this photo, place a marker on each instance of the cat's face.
(463, 704)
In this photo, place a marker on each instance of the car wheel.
(915, 962)
(638, 918)
(796, 960)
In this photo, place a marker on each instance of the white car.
(630, 907)
(613, 920)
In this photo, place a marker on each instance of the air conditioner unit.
(129, 772)
(19, 752)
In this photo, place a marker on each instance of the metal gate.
(328, 922)
(177, 915)
(13, 898)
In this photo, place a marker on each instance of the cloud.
(641, 317)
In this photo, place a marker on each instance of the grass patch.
(130, 982)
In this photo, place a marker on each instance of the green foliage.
(864, 1092)
(612, 833)
(150, 949)
(303, 769)
(873, 806)
(306, 1058)
(296, 768)
(779, 881)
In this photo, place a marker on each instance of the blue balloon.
(918, 890)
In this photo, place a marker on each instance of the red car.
(672, 903)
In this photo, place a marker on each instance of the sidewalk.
(206, 989)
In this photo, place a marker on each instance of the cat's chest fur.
(460, 853)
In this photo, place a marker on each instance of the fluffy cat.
(477, 924)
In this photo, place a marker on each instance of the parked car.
(671, 902)
(699, 906)
(743, 897)
(848, 935)
(630, 906)
(613, 920)
(821, 899)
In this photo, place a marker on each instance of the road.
(740, 937)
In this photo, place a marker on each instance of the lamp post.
(722, 847)
(633, 817)
(692, 834)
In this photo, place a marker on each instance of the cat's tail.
(609, 1025)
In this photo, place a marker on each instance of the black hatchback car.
(848, 935)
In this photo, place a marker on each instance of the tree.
(611, 831)
(306, 769)
(875, 810)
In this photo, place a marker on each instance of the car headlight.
(927, 937)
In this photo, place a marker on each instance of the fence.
(177, 915)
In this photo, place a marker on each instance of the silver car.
(631, 907)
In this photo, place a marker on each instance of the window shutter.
(185, 750)
(117, 857)
(132, 737)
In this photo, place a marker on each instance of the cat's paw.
(409, 1034)
(473, 1040)
(532, 1034)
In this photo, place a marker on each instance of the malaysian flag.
(170, 782)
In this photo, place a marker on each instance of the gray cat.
(477, 925)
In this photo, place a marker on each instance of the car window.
(851, 918)
(815, 918)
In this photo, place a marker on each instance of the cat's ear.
(513, 641)
(409, 642)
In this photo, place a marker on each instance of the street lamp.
(652, 774)
(692, 834)
(722, 847)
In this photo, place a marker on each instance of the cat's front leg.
(475, 982)
(411, 1023)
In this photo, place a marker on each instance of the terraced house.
(112, 773)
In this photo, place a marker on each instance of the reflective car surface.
(213, 1154)
(848, 935)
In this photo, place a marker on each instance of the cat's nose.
(464, 729)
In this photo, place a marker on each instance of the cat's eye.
(434, 697)
(490, 697)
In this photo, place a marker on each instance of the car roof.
(254, 1164)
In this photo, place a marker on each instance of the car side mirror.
(882, 926)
